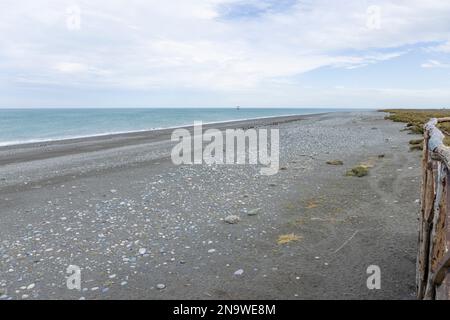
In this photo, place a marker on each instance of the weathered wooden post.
(433, 258)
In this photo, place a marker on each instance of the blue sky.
(202, 53)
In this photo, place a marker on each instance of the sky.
(218, 53)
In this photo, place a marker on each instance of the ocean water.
(34, 125)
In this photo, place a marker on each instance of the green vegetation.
(358, 171)
(416, 119)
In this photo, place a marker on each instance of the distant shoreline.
(21, 120)
(20, 153)
(134, 133)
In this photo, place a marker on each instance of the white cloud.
(191, 44)
(434, 64)
(443, 48)
(70, 67)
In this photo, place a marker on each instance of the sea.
(18, 126)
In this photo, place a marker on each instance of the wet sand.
(119, 209)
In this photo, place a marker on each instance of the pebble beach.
(140, 227)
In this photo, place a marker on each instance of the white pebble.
(239, 272)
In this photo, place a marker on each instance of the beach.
(140, 227)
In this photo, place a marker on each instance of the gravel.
(96, 203)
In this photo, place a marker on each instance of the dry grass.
(415, 120)
(416, 147)
(335, 163)
(416, 141)
(312, 204)
(287, 238)
(416, 144)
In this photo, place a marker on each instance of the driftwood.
(433, 258)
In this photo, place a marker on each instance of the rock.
(142, 251)
(254, 212)
(113, 191)
(160, 286)
(239, 272)
(211, 250)
(31, 286)
(232, 219)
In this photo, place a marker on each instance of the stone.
(254, 212)
(239, 272)
(160, 286)
(232, 219)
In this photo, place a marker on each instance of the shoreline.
(45, 150)
(46, 142)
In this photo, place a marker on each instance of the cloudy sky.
(305, 53)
